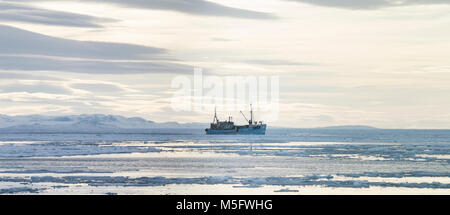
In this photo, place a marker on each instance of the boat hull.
(256, 130)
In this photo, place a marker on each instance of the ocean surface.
(186, 161)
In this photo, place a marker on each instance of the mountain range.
(84, 122)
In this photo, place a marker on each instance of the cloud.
(40, 87)
(221, 39)
(26, 63)
(12, 75)
(39, 98)
(19, 109)
(18, 41)
(28, 51)
(100, 87)
(278, 63)
(195, 7)
(20, 13)
(370, 4)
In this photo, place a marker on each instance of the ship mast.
(250, 122)
(251, 114)
(215, 120)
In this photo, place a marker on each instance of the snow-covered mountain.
(85, 122)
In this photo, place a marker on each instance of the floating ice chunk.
(396, 174)
(285, 190)
(14, 190)
(59, 150)
(162, 181)
(364, 183)
(247, 186)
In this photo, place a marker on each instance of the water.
(186, 161)
(272, 135)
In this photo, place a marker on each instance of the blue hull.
(261, 130)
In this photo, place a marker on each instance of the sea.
(324, 161)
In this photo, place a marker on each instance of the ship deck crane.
(251, 115)
(245, 117)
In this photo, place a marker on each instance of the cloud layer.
(370, 4)
(195, 7)
(25, 50)
(21, 13)
(18, 41)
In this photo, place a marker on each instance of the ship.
(228, 126)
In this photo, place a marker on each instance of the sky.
(383, 63)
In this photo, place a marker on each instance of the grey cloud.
(27, 63)
(21, 13)
(97, 87)
(196, 7)
(18, 41)
(370, 4)
(11, 75)
(28, 51)
(34, 88)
